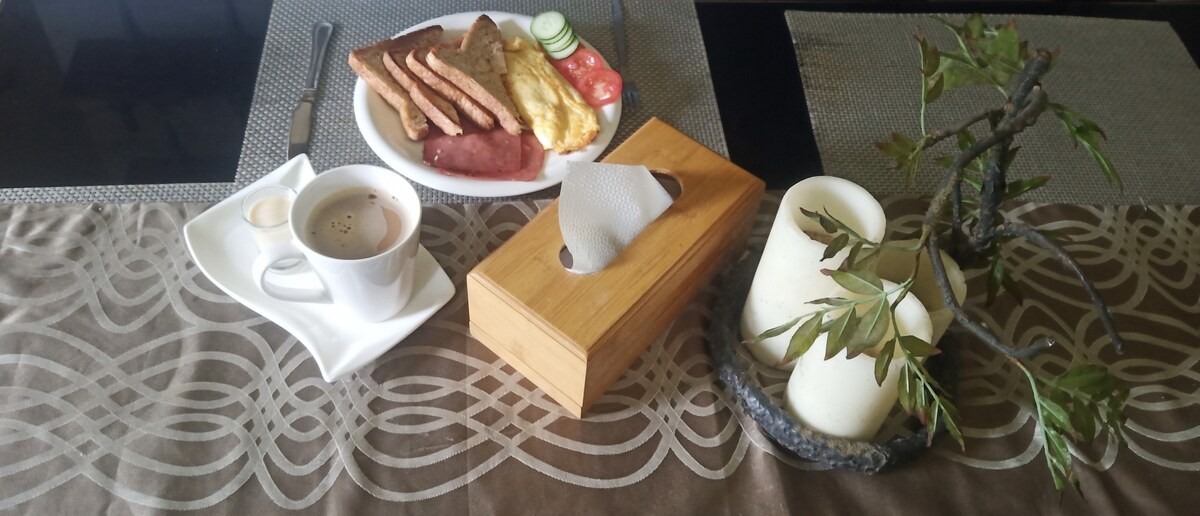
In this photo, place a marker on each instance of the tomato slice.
(600, 87)
(575, 66)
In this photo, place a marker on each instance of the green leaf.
(1087, 134)
(912, 166)
(852, 256)
(1082, 419)
(1059, 457)
(776, 331)
(946, 23)
(843, 227)
(929, 56)
(1081, 376)
(1055, 415)
(1010, 286)
(883, 361)
(933, 88)
(836, 245)
(957, 71)
(1015, 188)
(803, 338)
(866, 258)
(830, 301)
(965, 139)
(921, 408)
(975, 183)
(995, 278)
(839, 335)
(904, 388)
(872, 326)
(1106, 165)
(975, 165)
(917, 347)
(945, 161)
(973, 29)
(1000, 48)
(860, 282)
(827, 224)
(952, 424)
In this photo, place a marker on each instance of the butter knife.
(301, 132)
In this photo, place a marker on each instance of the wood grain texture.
(574, 335)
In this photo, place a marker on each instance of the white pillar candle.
(839, 396)
(789, 274)
(895, 265)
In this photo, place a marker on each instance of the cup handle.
(275, 254)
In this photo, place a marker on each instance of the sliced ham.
(493, 154)
(533, 156)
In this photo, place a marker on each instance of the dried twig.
(988, 338)
(941, 134)
(1020, 229)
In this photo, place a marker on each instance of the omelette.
(556, 113)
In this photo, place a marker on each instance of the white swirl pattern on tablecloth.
(120, 362)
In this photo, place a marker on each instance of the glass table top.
(104, 92)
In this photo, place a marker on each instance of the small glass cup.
(266, 210)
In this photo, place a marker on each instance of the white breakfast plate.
(224, 249)
(380, 126)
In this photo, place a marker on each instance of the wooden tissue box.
(574, 335)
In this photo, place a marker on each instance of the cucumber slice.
(566, 52)
(548, 25)
(563, 36)
(559, 47)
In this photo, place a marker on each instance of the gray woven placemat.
(1134, 78)
(666, 50)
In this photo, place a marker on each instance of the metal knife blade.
(301, 131)
(302, 118)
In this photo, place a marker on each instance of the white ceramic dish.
(380, 126)
(224, 249)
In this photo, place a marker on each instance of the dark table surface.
(96, 92)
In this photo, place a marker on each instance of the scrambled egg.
(559, 117)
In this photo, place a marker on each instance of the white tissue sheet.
(603, 207)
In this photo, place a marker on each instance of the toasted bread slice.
(437, 109)
(477, 67)
(472, 110)
(367, 62)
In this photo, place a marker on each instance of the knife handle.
(321, 33)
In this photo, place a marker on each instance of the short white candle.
(897, 266)
(839, 396)
(789, 274)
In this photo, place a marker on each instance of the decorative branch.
(990, 196)
(941, 134)
(973, 229)
(988, 338)
(1020, 229)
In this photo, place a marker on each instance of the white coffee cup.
(374, 288)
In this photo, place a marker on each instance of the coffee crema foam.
(354, 224)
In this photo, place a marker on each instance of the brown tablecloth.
(130, 384)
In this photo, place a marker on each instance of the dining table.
(134, 382)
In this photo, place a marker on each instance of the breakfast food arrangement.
(487, 107)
